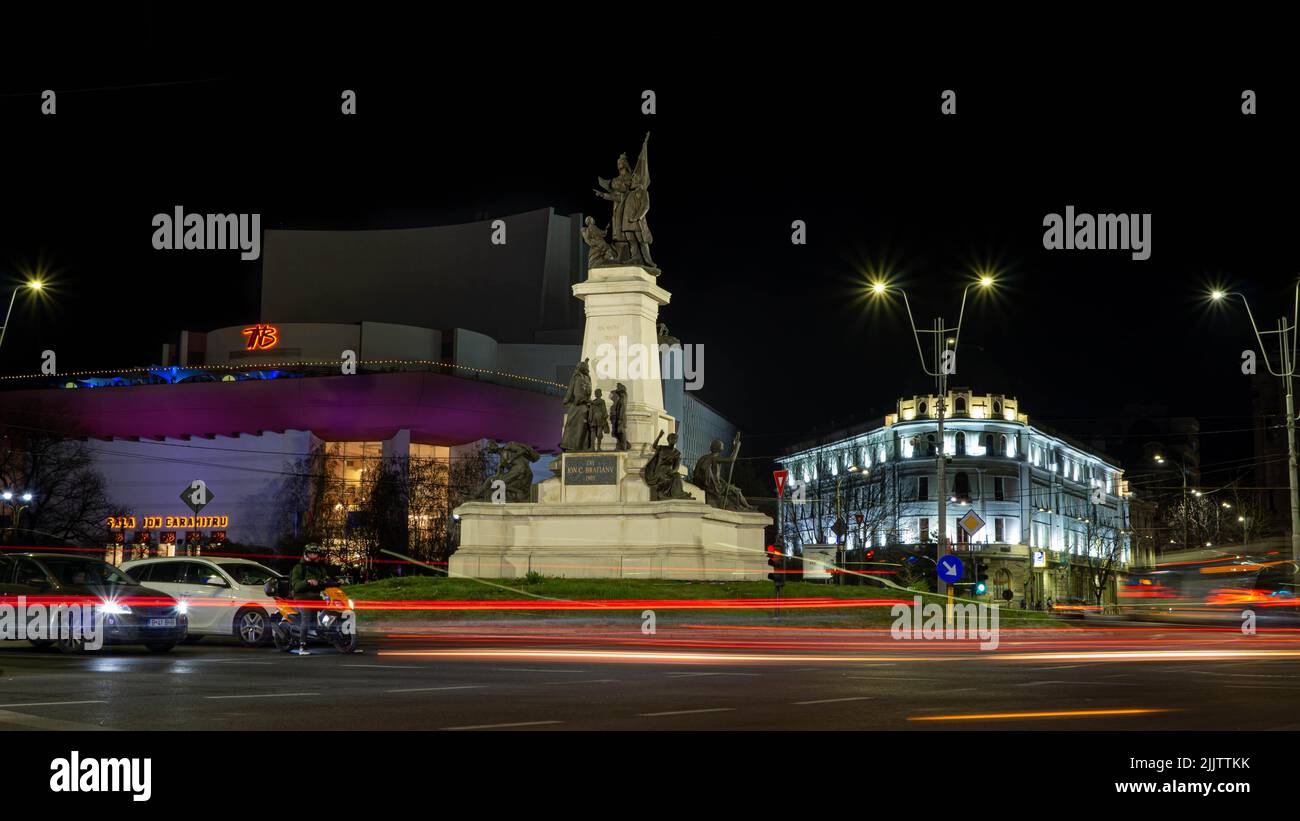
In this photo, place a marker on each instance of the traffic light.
(776, 561)
(981, 581)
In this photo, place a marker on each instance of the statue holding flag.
(629, 192)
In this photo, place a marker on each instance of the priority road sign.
(971, 522)
(950, 569)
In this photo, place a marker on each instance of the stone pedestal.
(648, 540)
(621, 340)
(595, 518)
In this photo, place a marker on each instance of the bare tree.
(70, 500)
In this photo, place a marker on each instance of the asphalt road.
(541, 676)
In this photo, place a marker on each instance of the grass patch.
(539, 589)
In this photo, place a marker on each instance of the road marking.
(581, 681)
(688, 712)
(685, 674)
(532, 670)
(508, 724)
(265, 695)
(48, 704)
(43, 723)
(383, 666)
(431, 689)
(831, 700)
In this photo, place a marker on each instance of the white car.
(226, 597)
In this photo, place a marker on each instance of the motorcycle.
(333, 622)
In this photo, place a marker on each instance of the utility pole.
(941, 377)
(1288, 370)
(1287, 343)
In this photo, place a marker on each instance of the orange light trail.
(1044, 714)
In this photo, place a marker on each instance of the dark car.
(132, 613)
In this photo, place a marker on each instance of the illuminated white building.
(1055, 513)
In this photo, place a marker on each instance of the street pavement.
(554, 675)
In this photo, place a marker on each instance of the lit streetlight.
(1286, 329)
(943, 366)
(34, 285)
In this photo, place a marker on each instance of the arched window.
(988, 443)
(960, 440)
(929, 444)
(1002, 444)
(997, 408)
(959, 404)
(961, 485)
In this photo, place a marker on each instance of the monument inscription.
(590, 469)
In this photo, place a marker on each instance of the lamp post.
(945, 363)
(34, 285)
(1286, 370)
(1182, 470)
(16, 510)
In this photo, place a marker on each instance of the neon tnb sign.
(261, 337)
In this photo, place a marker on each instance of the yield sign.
(780, 476)
(971, 522)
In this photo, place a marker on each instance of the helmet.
(312, 548)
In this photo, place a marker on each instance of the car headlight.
(182, 608)
(351, 606)
(113, 608)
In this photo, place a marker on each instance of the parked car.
(134, 614)
(226, 597)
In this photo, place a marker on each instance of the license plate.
(162, 622)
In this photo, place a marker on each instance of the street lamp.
(32, 284)
(945, 363)
(1286, 370)
(17, 510)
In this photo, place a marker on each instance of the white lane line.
(431, 689)
(686, 674)
(832, 700)
(579, 681)
(688, 712)
(264, 695)
(42, 723)
(507, 724)
(533, 670)
(48, 704)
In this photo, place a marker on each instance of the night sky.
(745, 140)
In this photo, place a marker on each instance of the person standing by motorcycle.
(308, 579)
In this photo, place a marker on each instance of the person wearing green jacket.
(308, 579)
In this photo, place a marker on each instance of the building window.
(929, 444)
(999, 489)
(924, 526)
(920, 408)
(959, 404)
(988, 443)
(961, 443)
(961, 485)
(999, 530)
(923, 489)
(1002, 445)
(997, 408)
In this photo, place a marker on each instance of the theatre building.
(402, 349)
(1051, 517)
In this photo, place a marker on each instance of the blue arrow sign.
(950, 569)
